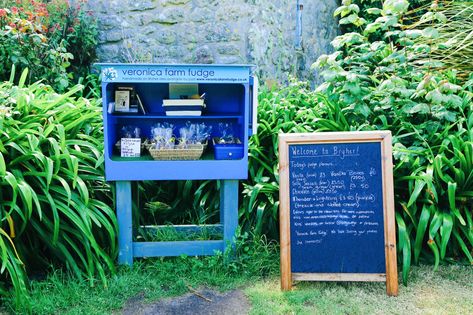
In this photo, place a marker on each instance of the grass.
(445, 291)
(153, 279)
(449, 290)
(156, 279)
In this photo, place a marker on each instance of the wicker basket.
(179, 152)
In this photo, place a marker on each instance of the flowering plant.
(55, 40)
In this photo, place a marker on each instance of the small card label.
(122, 101)
(130, 147)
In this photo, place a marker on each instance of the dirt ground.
(201, 302)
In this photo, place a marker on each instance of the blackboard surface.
(336, 208)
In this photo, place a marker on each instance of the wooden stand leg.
(229, 210)
(125, 229)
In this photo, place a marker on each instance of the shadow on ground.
(200, 302)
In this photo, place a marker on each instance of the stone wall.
(261, 32)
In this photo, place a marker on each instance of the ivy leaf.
(430, 32)
(441, 113)
(372, 27)
(405, 42)
(342, 11)
(347, 39)
(321, 62)
(391, 33)
(431, 126)
(352, 87)
(395, 6)
(362, 109)
(427, 17)
(359, 22)
(421, 48)
(413, 33)
(376, 11)
(454, 100)
(378, 45)
(387, 21)
(420, 108)
(446, 86)
(439, 16)
(435, 96)
(354, 8)
(349, 19)
(432, 64)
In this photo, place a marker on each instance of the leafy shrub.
(176, 202)
(372, 84)
(54, 201)
(443, 37)
(76, 27)
(53, 39)
(287, 109)
(384, 77)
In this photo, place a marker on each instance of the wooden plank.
(332, 137)
(229, 210)
(389, 225)
(124, 220)
(362, 277)
(176, 170)
(185, 228)
(177, 248)
(284, 215)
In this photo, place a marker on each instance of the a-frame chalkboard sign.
(337, 208)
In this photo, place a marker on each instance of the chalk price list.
(331, 199)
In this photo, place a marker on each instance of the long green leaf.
(23, 77)
(420, 233)
(463, 246)
(435, 251)
(83, 190)
(419, 185)
(445, 232)
(452, 188)
(435, 223)
(3, 167)
(404, 246)
(27, 196)
(12, 73)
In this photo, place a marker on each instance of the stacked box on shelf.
(184, 107)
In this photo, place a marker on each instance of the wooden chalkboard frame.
(385, 140)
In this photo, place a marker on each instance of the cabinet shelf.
(145, 168)
(147, 157)
(163, 116)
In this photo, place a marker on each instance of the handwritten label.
(130, 147)
(336, 208)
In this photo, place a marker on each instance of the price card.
(130, 147)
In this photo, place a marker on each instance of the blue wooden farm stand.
(229, 99)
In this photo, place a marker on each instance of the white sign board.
(130, 147)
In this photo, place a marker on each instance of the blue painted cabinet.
(230, 94)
